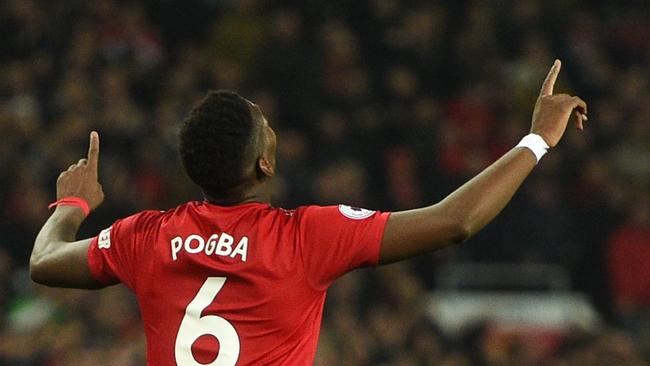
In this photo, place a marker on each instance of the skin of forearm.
(461, 214)
(480, 200)
(59, 229)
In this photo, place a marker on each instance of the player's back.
(237, 285)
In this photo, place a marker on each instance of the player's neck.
(258, 193)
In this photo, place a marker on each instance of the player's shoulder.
(141, 219)
(193, 208)
(340, 210)
(150, 217)
(153, 220)
(203, 209)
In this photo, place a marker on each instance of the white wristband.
(534, 143)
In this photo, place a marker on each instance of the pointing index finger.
(93, 152)
(549, 82)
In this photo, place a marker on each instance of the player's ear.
(265, 167)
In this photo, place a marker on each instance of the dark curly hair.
(215, 142)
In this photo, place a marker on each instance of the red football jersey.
(239, 285)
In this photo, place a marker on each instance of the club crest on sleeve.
(355, 213)
(104, 239)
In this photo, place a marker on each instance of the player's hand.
(552, 112)
(81, 179)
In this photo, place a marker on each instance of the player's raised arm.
(57, 259)
(472, 206)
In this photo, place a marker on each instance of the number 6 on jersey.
(194, 326)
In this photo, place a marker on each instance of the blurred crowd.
(385, 104)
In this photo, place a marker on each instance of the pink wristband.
(72, 201)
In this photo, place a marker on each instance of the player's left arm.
(472, 206)
(57, 258)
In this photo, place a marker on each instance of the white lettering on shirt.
(241, 249)
(211, 244)
(200, 244)
(224, 246)
(217, 244)
(177, 244)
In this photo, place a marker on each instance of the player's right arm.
(58, 259)
(472, 206)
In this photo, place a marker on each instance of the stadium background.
(384, 104)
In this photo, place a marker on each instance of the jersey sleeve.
(117, 252)
(337, 239)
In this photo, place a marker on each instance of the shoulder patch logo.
(287, 212)
(104, 239)
(355, 213)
